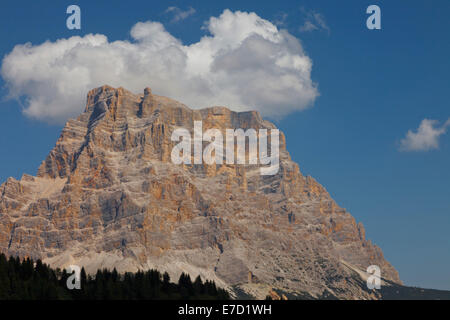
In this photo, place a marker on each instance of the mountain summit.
(108, 195)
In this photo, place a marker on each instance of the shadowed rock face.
(108, 195)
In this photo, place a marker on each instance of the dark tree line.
(32, 280)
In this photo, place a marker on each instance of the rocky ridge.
(109, 196)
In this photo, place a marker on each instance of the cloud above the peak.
(244, 62)
(425, 138)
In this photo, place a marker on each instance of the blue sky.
(375, 86)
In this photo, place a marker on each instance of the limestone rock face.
(108, 195)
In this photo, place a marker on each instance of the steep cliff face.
(108, 195)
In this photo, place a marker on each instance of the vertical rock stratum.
(109, 196)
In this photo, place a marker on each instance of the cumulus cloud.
(425, 138)
(178, 14)
(244, 62)
(313, 21)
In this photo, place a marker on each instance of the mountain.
(108, 195)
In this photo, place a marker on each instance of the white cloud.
(178, 14)
(244, 63)
(425, 138)
(313, 21)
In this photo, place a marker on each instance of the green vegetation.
(29, 280)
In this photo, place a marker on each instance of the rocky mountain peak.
(108, 195)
